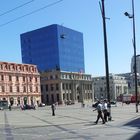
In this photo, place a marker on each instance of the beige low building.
(66, 87)
(19, 83)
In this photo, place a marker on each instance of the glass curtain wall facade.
(53, 47)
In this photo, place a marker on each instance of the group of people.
(102, 109)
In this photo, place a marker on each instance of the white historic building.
(118, 85)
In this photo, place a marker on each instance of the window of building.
(52, 87)
(31, 89)
(56, 76)
(87, 86)
(46, 87)
(5, 67)
(63, 96)
(63, 76)
(52, 97)
(51, 77)
(18, 100)
(67, 86)
(70, 96)
(10, 78)
(18, 89)
(67, 96)
(36, 89)
(70, 86)
(2, 77)
(63, 86)
(3, 89)
(1, 67)
(57, 86)
(23, 78)
(26, 68)
(30, 79)
(17, 78)
(57, 96)
(41, 88)
(11, 89)
(35, 79)
(47, 98)
(66, 76)
(24, 89)
(101, 89)
(90, 87)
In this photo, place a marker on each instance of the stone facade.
(118, 85)
(19, 83)
(66, 87)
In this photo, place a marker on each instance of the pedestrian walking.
(53, 109)
(99, 109)
(10, 107)
(105, 110)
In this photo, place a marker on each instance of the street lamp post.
(135, 56)
(106, 56)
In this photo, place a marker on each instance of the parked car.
(25, 107)
(113, 102)
(41, 105)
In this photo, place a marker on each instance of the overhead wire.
(35, 11)
(11, 10)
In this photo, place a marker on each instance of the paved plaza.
(70, 123)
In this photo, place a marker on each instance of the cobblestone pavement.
(70, 123)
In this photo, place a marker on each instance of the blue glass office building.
(53, 47)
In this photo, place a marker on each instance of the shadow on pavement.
(134, 123)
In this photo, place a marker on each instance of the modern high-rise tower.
(53, 47)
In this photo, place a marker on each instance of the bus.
(128, 98)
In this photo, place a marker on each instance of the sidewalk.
(71, 122)
(125, 123)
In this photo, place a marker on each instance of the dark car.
(41, 105)
(24, 107)
(113, 102)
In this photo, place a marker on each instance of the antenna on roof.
(63, 36)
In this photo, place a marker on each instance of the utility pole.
(106, 55)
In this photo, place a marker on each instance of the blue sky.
(80, 15)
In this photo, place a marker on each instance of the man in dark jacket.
(53, 109)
